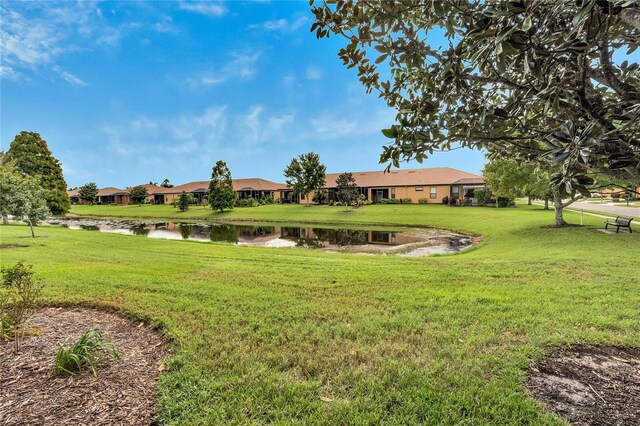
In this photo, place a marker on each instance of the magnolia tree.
(546, 82)
(306, 174)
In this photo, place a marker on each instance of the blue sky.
(128, 92)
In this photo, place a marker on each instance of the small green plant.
(19, 293)
(91, 349)
(423, 201)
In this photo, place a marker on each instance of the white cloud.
(8, 73)
(68, 77)
(165, 25)
(241, 66)
(313, 73)
(282, 25)
(213, 9)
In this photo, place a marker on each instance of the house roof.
(109, 190)
(73, 192)
(410, 177)
(250, 184)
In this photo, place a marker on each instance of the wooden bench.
(620, 222)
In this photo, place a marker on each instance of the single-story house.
(256, 188)
(432, 184)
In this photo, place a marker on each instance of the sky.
(130, 92)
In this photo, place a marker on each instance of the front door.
(379, 195)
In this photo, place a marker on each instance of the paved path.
(607, 209)
(604, 215)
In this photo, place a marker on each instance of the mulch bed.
(589, 385)
(123, 393)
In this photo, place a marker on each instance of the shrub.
(247, 202)
(18, 299)
(503, 201)
(267, 200)
(423, 201)
(480, 194)
(453, 201)
(91, 349)
(389, 201)
(406, 201)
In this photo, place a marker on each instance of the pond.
(404, 242)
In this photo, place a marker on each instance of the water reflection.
(375, 241)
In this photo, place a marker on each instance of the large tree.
(33, 158)
(22, 197)
(138, 194)
(221, 193)
(306, 174)
(548, 82)
(88, 192)
(510, 178)
(166, 184)
(347, 189)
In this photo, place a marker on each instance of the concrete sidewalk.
(607, 208)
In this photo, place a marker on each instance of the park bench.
(620, 222)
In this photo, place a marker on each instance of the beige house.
(430, 184)
(256, 188)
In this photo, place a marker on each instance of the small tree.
(18, 297)
(138, 194)
(166, 184)
(88, 192)
(184, 201)
(347, 189)
(306, 174)
(27, 200)
(221, 193)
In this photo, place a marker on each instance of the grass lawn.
(290, 336)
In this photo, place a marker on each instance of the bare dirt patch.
(589, 385)
(10, 246)
(124, 391)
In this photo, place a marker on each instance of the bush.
(503, 201)
(453, 201)
(389, 201)
(406, 201)
(247, 202)
(423, 201)
(480, 194)
(267, 200)
(91, 349)
(19, 293)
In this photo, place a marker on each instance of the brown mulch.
(589, 385)
(123, 393)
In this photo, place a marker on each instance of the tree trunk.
(559, 206)
(546, 204)
(5, 220)
(529, 201)
(33, 235)
(307, 197)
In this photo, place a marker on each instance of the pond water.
(405, 242)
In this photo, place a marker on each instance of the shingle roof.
(73, 192)
(250, 184)
(109, 190)
(409, 177)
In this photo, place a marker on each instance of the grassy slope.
(261, 334)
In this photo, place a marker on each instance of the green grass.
(261, 335)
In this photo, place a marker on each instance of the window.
(419, 188)
(455, 190)
(433, 192)
(393, 193)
